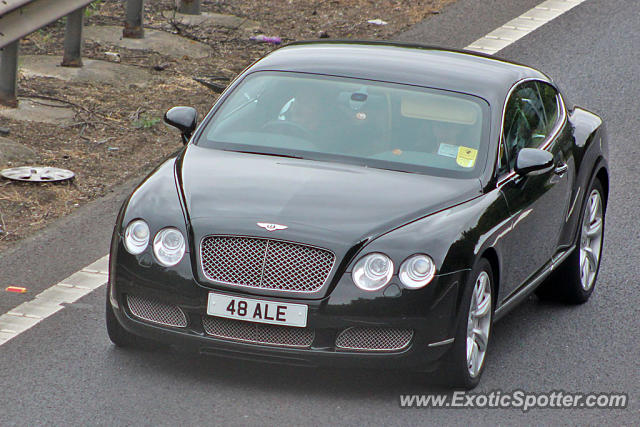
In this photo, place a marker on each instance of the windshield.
(376, 124)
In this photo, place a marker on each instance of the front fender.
(454, 238)
(155, 200)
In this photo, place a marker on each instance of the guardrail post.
(9, 74)
(133, 20)
(73, 39)
(189, 7)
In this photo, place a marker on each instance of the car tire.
(460, 371)
(570, 283)
(117, 334)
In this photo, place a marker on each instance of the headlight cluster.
(136, 237)
(417, 271)
(168, 245)
(375, 270)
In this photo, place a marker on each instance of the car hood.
(331, 205)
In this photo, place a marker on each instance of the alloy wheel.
(591, 240)
(478, 324)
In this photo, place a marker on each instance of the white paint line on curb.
(524, 24)
(93, 276)
(51, 300)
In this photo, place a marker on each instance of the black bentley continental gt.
(364, 204)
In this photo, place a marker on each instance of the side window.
(528, 118)
(503, 161)
(549, 97)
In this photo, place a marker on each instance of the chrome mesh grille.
(156, 312)
(265, 264)
(374, 339)
(258, 333)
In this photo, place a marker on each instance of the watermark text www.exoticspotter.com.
(517, 399)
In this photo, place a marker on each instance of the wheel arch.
(491, 255)
(602, 175)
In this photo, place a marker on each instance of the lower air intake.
(374, 339)
(156, 312)
(258, 333)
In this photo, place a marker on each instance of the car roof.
(461, 71)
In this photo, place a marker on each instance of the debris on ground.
(37, 174)
(265, 39)
(161, 67)
(377, 22)
(113, 56)
(216, 83)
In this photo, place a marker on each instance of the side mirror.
(183, 118)
(533, 160)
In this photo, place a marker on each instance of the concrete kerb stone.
(15, 154)
(40, 111)
(160, 42)
(93, 70)
(206, 19)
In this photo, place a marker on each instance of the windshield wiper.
(262, 153)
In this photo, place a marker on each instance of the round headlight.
(417, 271)
(136, 237)
(168, 246)
(372, 272)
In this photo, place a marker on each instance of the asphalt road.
(65, 371)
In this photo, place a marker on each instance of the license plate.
(255, 310)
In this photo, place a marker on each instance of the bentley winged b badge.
(271, 227)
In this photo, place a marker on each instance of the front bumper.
(431, 313)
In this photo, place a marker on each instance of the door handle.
(561, 169)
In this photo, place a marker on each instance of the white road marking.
(524, 24)
(93, 276)
(52, 299)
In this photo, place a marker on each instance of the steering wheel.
(286, 127)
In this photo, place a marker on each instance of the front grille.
(156, 312)
(265, 263)
(374, 339)
(258, 333)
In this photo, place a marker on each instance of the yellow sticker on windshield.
(466, 157)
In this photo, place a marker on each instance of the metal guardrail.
(134, 10)
(19, 18)
(133, 20)
(189, 7)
